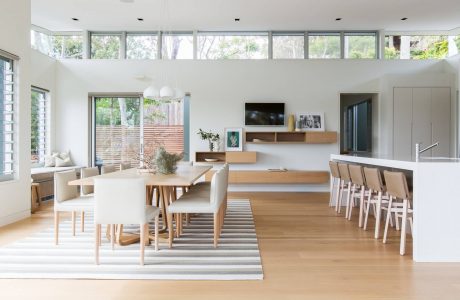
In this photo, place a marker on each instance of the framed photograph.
(233, 139)
(310, 121)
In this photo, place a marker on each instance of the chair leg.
(56, 227)
(402, 247)
(361, 207)
(338, 204)
(216, 228)
(142, 242)
(350, 196)
(331, 193)
(367, 209)
(378, 216)
(82, 219)
(170, 229)
(112, 235)
(74, 216)
(385, 233)
(157, 219)
(97, 234)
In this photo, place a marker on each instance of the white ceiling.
(423, 15)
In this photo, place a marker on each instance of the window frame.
(45, 146)
(120, 34)
(273, 34)
(161, 43)
(143, 33)
(13, 134)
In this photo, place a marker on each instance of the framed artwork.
(233, 139)
(310, 121)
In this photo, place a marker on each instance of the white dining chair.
(87, 190)
(199, 200)
(123, 201)
(109, 169)
(67, 199)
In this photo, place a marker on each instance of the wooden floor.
(307, 251)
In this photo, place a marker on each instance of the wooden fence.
(116, 144)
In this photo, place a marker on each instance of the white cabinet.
(421, 115)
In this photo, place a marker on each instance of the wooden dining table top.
(184, 176)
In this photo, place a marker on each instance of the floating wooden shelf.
(271, 177)
(243, 157)
(284, 137)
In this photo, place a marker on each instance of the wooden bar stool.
(376, 197)
(36, 199)
(345, 179)
(359, 184)
(335, 182)
(398, 190)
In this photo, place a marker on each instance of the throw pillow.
(50, 160)
(63, 162)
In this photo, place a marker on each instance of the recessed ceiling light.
(75, 19)
(127, 1)
(338, 19)
(237, 19)
(404, 19)
(140, 19)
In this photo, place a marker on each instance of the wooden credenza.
(270, 177)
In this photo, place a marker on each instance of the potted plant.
(210, 137)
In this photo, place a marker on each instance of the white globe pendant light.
(167, 92)
(151, 92)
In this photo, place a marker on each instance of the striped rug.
(192, 257)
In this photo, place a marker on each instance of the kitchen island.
(436, 203)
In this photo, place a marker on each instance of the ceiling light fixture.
(237, 19)
(75, 19)
(167, 92)
(127, 1)
(404, 19)
(140, 19)
(338, 19)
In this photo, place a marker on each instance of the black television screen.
(264, 114)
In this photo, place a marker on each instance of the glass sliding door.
(126, 128)
(117, 130)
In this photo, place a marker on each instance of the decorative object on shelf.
(166, 163)
(311, 121)
(234, 139)
(298, 125)
(211, 159)
(291, 123)
(211, 137)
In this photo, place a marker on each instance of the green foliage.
(457, 41)
(324, 46)
(391, 53)
(165, 162)
(360, 46)
(233, 47)
(436, 50)
(105, 46)
(152, 112)
(210, 136)
(117, 111)
(141, 47)
(67, 47)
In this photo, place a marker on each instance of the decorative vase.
(291, 123)
(298, 126)
(216, 146)
(211, 145)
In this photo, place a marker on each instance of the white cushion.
(77, 204)
(50, 160)
(66, 162)
(192, 205)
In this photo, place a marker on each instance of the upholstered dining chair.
(200, 200)
(87, 190)
(67, 199)
(109, 169)
(122, 201)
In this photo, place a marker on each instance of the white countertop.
(386, 161)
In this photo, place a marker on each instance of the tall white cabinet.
(421, 114)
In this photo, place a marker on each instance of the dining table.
(165, 184)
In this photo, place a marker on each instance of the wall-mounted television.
(264, 114)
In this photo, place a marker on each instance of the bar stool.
(359, 184)
(397, 188)
(376, 197)
(335, 182)
(345, 179)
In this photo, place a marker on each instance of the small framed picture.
(310, 121)
(233, 139)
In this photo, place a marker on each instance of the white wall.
(15, 195)
(43, 75)
(220, 88)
